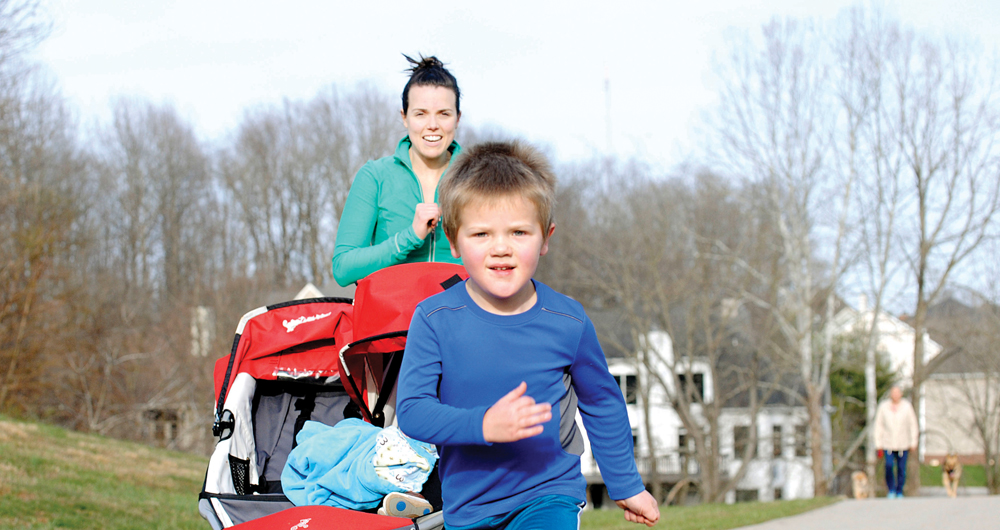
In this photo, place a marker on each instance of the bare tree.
(860, 50)
(147, 200)
(774, 128)
(39, 167)
(469, 135)
(156, 179)
(23, 26)
(643, 250)
(938, 124)
(289, 171)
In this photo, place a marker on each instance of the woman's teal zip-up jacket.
(376, 228)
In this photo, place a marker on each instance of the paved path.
(910, 513)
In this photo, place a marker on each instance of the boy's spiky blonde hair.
(495, 171)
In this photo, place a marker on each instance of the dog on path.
(951, 473)
(859, 480)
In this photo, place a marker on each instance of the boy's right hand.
(515, 417)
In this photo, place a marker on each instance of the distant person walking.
(896, 434)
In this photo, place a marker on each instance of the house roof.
(819, 303)
(969, 334)
(778, 386)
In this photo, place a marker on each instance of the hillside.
(55, 478)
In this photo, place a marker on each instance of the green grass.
(54, 478)
(972, 476)
(706, 516)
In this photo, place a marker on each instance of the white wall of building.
(950, 417)
(895, 338)
(789, 472)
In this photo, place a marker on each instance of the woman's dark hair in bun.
(429, 71)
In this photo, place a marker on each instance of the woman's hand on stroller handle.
(425, 218)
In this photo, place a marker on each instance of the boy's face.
(500, 245)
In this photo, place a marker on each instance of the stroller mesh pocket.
(241, 474)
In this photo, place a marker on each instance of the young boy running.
(494, 366)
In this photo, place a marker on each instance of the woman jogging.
(391, 214)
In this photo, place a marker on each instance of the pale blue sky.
(532, 67)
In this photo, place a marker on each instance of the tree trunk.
(919, 329)
(651, 452)
(814, 403)
(871, 403)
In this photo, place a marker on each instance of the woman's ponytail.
(429, 71)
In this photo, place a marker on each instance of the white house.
(895, 337)
(780, 468)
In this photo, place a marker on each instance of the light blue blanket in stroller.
(353, 464)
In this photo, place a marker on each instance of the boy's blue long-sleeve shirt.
(461, 359)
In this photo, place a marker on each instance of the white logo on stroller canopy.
(290, 325)
(304, 523)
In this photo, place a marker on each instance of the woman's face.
(431, 122)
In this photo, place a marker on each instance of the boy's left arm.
(602, 407)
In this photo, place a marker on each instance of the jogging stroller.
(320, 359)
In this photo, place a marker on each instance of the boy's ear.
(454, 249)
(545, 244)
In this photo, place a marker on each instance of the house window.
(741, 438)
(631, 388)
(682, 444)
(698, 380)
(163, 425)
(746, 495)
(801, 440)
(776, 440)
(777, 494)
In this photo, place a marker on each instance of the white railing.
(671, 464)
(674, 464)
